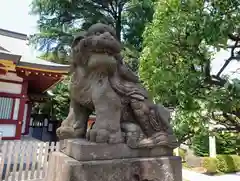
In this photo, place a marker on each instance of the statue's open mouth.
(104, 43)
(101, 50)
(102, 61)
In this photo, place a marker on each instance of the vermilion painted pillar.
(23, 100)
(28, 119)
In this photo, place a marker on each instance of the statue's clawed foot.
(69, 132)
(104, 136)
(65, 132)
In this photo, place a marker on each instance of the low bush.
(236, 161)
(222, 163)
(225, 163)
(182, 154)
(210, 164)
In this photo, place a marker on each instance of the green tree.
(226, 143)
(55, 57)
(60, 20)
(61, 99)
(200, 144)
(59, 103)
(187, 123)
(175, 64)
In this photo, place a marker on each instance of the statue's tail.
(152, 118)
(141, 113)
(160, 119)
(154, 121)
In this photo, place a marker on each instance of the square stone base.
(64, 168)
(83, 150)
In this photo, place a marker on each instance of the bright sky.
(233, 68)
(15, 16)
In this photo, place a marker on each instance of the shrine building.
(24, 79)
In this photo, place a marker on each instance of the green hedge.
(222, 163)
(210, 164)
(236, 161)
(182, 154)
(225, 163)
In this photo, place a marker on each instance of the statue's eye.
(101, 31)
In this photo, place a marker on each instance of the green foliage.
(60, 20)
(131, 57)
(222, 163)
(175, 65)
(236, 161)
(61, 99)
(55, 57)
(225, 163)
(200, 144)
(135, 20)
(210, 164)
(182, 153)
(226, 143)
(186, 124)
(185, 165)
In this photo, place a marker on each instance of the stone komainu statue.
(101, 82)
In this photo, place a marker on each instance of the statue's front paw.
(65, 132)
(69, 132)
(104, 136)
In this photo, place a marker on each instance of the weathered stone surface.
(102, 83)
(64, 168)
(131, 140)
(83, 150)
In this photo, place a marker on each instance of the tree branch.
(220, 122)
(233, 46)
(232, 121)
(225, 129)
(236, 113)
(113, 10)
(233, 37)
(100, 6)
(229, 59)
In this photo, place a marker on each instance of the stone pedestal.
(84, 161)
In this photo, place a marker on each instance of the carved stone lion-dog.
(101, 82)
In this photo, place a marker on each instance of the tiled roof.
(13, 43)
(3, 49)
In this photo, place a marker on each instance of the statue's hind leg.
(108, 111)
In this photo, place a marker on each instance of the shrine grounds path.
(193, 176)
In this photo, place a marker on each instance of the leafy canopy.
(179, 47)
(61, 99)
(226, 143)
(60, 20)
